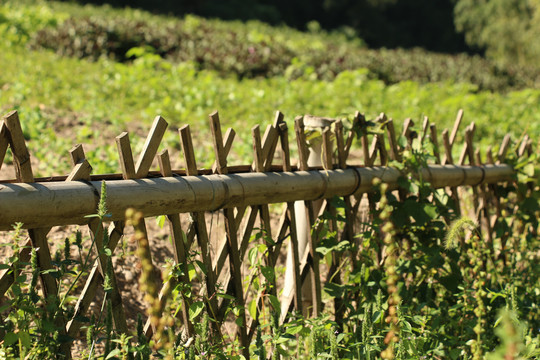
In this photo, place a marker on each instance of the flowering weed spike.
(102, 206)
(456, 230)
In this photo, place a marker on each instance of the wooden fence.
(243, 195)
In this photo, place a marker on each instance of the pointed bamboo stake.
(7, 276)
(503, 149)
(81, 171)
(175, 229)
(342, 161)
(38, 237)
(150, 147)
(407, 133)
(435, 142)
(327, 149)
(447, 148)
(489, 155)
(126, 156)
(333, 274)
(21, 156)
(364, 139)
(523, 146)
(455, 129)
(352, 132)
(301, 140)
(140, 170)
(425, 126)
(199, 226)
(4, 142)
(340, 145)
(270, 143)
(449, 160)
(309, 215)
(81, 167)
(373, 150)
(270, 140)
(382, 149)
(231, 229)
(291, 214)
(257, 148)
(229, 139)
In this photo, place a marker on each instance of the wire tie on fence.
(191, 188)
(325, 181)
(94, 190)
(226, 190)
(358, 179)
(483, 175)
(464, 181)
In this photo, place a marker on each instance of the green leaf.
(268, 273)
(294, 329)
(252, 308)
(25, 339)
(431, 211)
(10, 338)
(225, 296)
(195, 309)
(275, 302)
(114, 353)
(161, 220)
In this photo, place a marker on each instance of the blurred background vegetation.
(504, 30)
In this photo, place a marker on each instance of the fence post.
(303, 226)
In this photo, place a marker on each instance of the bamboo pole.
(63, 203)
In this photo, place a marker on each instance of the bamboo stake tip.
(279, 117)
(214, 115)
(75, 148)
(184, 128)
(11, 114)
(256, 128)
(122, 135)
(160, 119)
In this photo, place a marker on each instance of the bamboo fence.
(242, 194)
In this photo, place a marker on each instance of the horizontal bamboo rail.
(62, 203)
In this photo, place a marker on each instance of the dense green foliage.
(509, 30)
(256, 49)
(382, 23)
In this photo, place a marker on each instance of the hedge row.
(254, 50)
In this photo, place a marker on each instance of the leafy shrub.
(256, 50)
